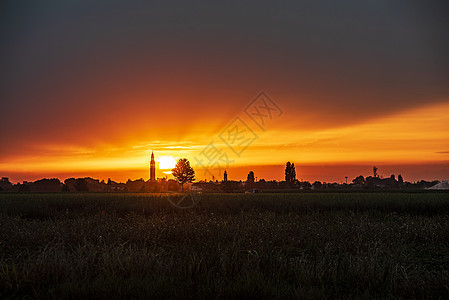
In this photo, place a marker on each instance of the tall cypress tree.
(287, 171)
(290, 172)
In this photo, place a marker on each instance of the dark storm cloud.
(62, 61)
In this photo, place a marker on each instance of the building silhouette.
(225, 176)
(152, 168)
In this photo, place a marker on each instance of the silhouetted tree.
(183, 172)
(5, 184)
(317, 185)
(250, 177)
(81, 185)
(293, 173)
(262, 183)
(400, 179)
(359, 180)
(375, 172)
(290, 172)
(23, 187)
(5, 180)
(306, 185)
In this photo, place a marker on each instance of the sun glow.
(167, 163)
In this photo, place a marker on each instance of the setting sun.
(166, 163)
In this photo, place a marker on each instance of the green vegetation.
(309, 245)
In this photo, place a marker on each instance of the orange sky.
(413, 143)
(90, 89)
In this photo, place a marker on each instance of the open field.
(309, 245)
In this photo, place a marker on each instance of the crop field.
(307, 245)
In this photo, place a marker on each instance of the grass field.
(308, 245)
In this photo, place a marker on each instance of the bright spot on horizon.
(167, 163)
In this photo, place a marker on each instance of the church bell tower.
(152, 168)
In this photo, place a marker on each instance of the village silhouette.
(183, 183)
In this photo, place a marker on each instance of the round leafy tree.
(183, 172)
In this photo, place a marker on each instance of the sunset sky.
(90, 88)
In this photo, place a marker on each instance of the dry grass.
(316, 245)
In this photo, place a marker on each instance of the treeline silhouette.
(358, 183)
(250, 185)
(90, 184)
